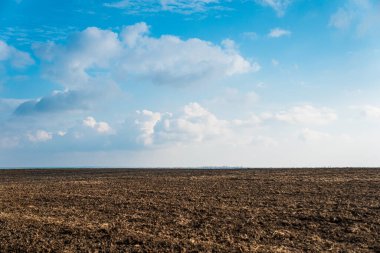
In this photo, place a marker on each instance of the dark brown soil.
(287, 210)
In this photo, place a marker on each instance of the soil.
(182, 210)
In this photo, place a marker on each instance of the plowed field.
(116, 210)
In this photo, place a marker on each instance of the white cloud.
(101, 127)
(170, 60)
(133, 54)
(278, 32)
(186, 6)
(61, 133)
(279, 6)
(132, 34)
(250, 35)
(89, 122)
(196, 124)
(252, 121)
(305, 114)
(193, 124)
(8, 105)
(313, 135)
(69, 65)
(360, 15)
(264, 141)
(232, 98)
(119, 4)
(275, 62)
(40, 136)
(369, 111)
(341, 19)
(8, 142)
(177, 6)
(146, 123)
(16, 58)
(57, 101)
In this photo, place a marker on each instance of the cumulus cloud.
(132, 34)
(170, 60)
(177, 6)
(279, 6)
(101, 127)
(278, 32)
(71, 64)
(16, 58)
(61, 133)
(193, 124)
(134, 54)
(146, 122)
(40, 136)
(305, 114)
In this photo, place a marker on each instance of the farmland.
(183, 210)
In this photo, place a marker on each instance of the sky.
(189, 83)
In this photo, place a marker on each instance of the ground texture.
(288, 210)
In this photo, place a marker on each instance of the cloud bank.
(58, 101)
(134, 55)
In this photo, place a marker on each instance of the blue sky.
(189, 83)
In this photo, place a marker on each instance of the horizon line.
(185, 167)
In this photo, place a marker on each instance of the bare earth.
(114, 210)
